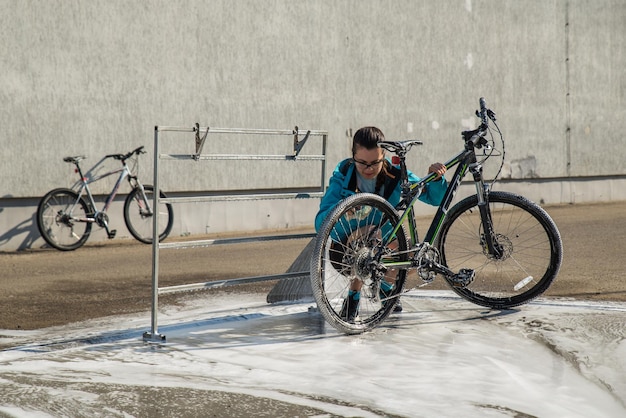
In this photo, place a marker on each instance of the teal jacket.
(343, 184)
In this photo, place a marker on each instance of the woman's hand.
(438, 168)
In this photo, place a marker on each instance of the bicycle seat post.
(400, 159)
(79, 170)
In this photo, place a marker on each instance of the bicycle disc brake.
(503, 244)
(363, 256)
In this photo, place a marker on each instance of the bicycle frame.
(65, 216)
(365, 247)
(124, 173)
(84, 187)
(466, 161)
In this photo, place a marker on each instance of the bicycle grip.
(483, 110)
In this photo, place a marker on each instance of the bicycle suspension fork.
(142, 200)
(488, 238)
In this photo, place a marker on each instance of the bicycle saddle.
(399, 146)
(75, 159)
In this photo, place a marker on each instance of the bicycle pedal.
(112, 233)
(463, 278)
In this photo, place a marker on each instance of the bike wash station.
(300, 137)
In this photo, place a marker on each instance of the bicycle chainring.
(102, 219)
(425, 257)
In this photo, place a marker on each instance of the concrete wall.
(95, 77)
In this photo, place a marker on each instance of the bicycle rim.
(529, 238)
(349, 236)
(139, 221)
(56, 219)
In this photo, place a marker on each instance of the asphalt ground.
(44, 287)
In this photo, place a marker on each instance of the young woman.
(369, 171)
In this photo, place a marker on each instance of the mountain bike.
(494, 248)
(65, 216)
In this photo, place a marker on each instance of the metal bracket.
(298, 144)
(199, 141)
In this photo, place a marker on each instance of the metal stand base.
(154, 338)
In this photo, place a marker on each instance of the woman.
(369, 171)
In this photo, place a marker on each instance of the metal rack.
(300, 137)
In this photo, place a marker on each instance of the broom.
(299, 288)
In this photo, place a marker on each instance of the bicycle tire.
(139, 224)
(56, 212)
(533, 250)
(330, 286)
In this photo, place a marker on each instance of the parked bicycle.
(495, 249)
(65, 216)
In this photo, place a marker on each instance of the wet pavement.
(235, 355)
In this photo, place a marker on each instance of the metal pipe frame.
(237, 197)
(153, 335)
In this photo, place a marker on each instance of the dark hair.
(368, 137)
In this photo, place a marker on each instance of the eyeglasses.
(365, 165)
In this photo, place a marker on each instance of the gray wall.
(95, 77)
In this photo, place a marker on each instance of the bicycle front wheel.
(348, 249)
(138, 215)
(62, 219)
(531, 245)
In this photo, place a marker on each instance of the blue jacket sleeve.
(335, 192)
(434, 192)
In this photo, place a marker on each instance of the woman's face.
(369, 162)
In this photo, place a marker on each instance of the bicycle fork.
(489, 243)
(142, 200)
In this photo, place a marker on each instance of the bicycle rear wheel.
(348, 248)
(61, 219)
(531, 243)
(138, 218)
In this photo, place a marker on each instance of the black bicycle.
(495, 249)
(65, 216)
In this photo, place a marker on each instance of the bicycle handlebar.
(476, 137)
(483, 110)
(124, 157)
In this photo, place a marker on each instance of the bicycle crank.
(102, 220)
(461, 279)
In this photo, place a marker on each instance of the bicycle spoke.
(345, 254)
(139, 218)
(529, 244)
(56, 219)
